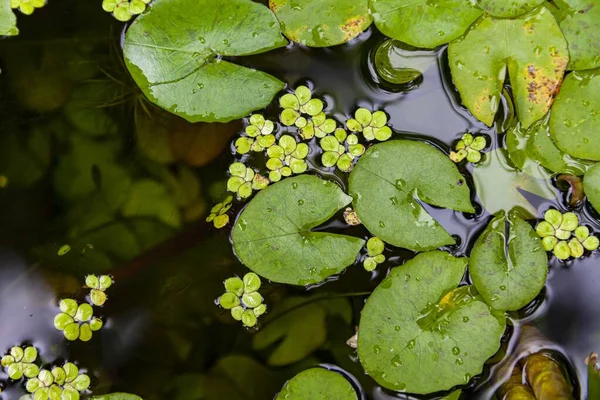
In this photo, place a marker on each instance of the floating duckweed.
(298, 103)
(372, 125)
(19, 362)
(259, 135)
(562, 234)
(27, 7)
(375, 248)
(340, 150)
(123, 10)
(64, 249)
(76, 320)
(43, 387)
(319, 126)
(98, 286)
(218, 214)
(244, 180)
(72, 381)
(241, 297)
(286, 158)
(468, 147)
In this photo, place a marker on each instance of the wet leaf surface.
(174, 53)
(508, 8)
(508, 267)
(538, 56)
(385, 188)
(591, 186)
(8, 20)
(581, 27)
(273, 235)
(420, 333)
(318, 383)
(322, 23)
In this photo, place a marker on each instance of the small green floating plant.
(340, 149)
(76, 321)
(375, 248)
(98, 286)
(297, 104)
(62, 383)
(241, 297)
(287, 158)
(562, 235)
(372, 125)
(244, 180)
(468, 147)
(27, 7)
(218, 214)
(124, 10)
(19, 362)
(259, 135)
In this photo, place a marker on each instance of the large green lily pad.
(508, 8)
(273, 236)
(386, 182)
(533, 50)
(317, 383)
(174, 53)
(117, 396)
(575, 120)
(322, 23)
(424, 23)
(418, 332)
(591, 186)
(508, 280)
(8, 20)
(581, 27)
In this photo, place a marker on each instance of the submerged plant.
(372, 125)
(287, 158)
(218, 214)
(77, 321)
(243, 299)
(244, 180)
(124, 10)
(98, 286)
(259, 135)
(298, 103)
(20, 362)
(468, 147)
(557, 230)
(375, 247)
(27, 7)
(340, 150)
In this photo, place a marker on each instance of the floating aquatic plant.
(286, 158)
(562, 234)
(340, 150)
(77, 321)
(124, 10)
(372, 125)
(244, 180)
(259, 135)
(98, 286)
(43, 387)
(243, 299)
(218, 214)
(27, 7)
(19, 362)
(468, 147)
(71, 381)
(298, 103)
(318, 126)
(375, 247)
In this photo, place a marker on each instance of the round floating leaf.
(386, 182)
(574, 123)
(508, 8)
(538, 56)
(317, 383)
(322, 23)
(581, 27)
(174, 50)
(424, 23)
(508, 280)
(400, 66)
(591, 186)
(8, 20)
(273, 236)
(421, 334)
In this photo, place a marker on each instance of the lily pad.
(317, 383)
(8, 19)
(508, 8)
(273, 235)
(117, 396)
(500, 186)
(508, 280)
(581, 27)
(533, 50)
(322, 23)
(591, 186)
(173, 52)
(389, 178)
(418, 332)
(574, 123)
(424, 23)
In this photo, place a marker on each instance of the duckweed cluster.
(468, 147)
(27, 7)
(286, 158)
(241, 297)
(244, 180)
(375, 248)
(218, 214)
(124, 10)
(562, 235)
(62, 383)
(372, 125)
(20, 362)
(340, 150)
(98, 286)
(259, 135)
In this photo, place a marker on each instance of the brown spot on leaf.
(275, 5)
(353, 27)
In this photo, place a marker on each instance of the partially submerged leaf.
(273, 235)
(8, 19)
(322, 23)
(575, 120)
(418, 332)
(24, 159)
(86, 108)
(508, 8)
(148, 198)
(508, 280)
(173, 51)
(591, 186)
(117, 396)
(581, 27)
(424, 23)
(397, 65)
(533, 50)
(389, 178)
(317, 383)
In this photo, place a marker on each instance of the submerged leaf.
(508, 280)
(174, 51)
(318, 383)
(591, 186)
(397, 65)
(148, 198)
(322, 23)
(575, 120)
(273, 235)
(418, 332)
(424, 23)
(581, 27)
(533, 50)
(389, 178)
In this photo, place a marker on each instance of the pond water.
(163, 336)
